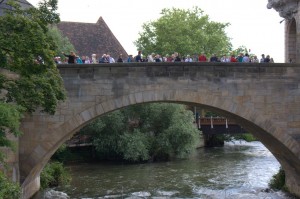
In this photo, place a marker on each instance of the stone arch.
(291, 51)
(284, 148)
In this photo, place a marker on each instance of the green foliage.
(31, 80)
(29, 52)
(8, 190)
(247, 137)
(144, 132)
(278, 181)
(54, 174)
(63, 43)
(184, 31)
(242, 49)
(135, 146)
(10, 116)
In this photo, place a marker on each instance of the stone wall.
(263, 98)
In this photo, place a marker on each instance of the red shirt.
(232, 59)
(202, 58)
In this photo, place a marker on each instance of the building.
(289, 11)
(92, 38)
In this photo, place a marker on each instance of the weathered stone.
(268, 106)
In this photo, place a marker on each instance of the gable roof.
(92, 38)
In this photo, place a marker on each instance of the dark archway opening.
(291, 42)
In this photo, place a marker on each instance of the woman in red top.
(233, 59)
(202, 58)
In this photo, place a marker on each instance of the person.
(138, 58)
(169, 58)
(94, 59)
(246, 58)
(57, 60)
(157, 58)
(254, 59)
(188, 59)
(78, 60)
(71, 57)
(110, 59)
(233, 59)
(151, 57)
(240, 57)
(83, 59)
(223, 58)
(177, 58)
(213, 58)
(262, 59)
(103, 59)
(87, 60)
(202, 58)
(130, 58)
(120, 60)
(267, 59)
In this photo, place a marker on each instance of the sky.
(251, 23)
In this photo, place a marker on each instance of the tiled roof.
(92, 38)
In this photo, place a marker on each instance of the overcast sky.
(252, 24)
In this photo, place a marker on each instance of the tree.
(183, 31)
(63, 43)
(8, 190)
(144, 132)
(29, 79)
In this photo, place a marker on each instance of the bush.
(8, 190)
(278, 181)
(54, 174)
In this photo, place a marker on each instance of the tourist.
(103, 59)
(94, 59)
(78, 60)
(177, 57)
(202, 58)
(262, 59)
(130, 58)
(188, 59)
(157, 58)
(71, 57)
(267, 59)
(120, 60)
(169, 58)
(138, 58)
(246, 58)
(254, 59)
(110, 59)
(87, 60)
(240, 57)
(151, 57)
(233, 59)
(214, 58)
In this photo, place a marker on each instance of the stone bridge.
(263, 98)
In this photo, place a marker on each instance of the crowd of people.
(72, 58)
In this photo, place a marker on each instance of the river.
(238, 170)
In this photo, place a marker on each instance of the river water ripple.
(239, 170)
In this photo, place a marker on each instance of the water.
(238, 170)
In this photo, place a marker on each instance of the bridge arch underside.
(283, 146)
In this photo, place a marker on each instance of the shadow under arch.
(266, 130)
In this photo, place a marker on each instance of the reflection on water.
(239, 170)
